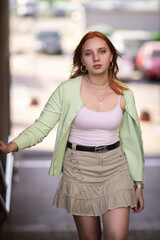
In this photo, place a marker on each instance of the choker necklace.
(94, 84)
(98, 84)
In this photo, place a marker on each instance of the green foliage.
(155, 36)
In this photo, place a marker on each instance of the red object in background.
(148, 59)
(145, 116)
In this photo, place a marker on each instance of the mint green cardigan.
(63, 106)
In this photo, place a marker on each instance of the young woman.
(98, 145)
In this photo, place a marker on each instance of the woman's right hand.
(7, 148)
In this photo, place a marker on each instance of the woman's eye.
(87, 54)
(102, 51)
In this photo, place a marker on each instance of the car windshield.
(156, 53)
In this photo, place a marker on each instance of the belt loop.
(74, 145)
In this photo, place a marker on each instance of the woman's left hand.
(139, 201)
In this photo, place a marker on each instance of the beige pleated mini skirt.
(93, 183)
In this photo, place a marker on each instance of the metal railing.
(5, 194)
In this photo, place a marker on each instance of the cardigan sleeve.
(48, 118)
(131, 139)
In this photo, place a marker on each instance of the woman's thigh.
(88, 227)
(115, 223)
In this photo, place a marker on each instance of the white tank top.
(91, 128)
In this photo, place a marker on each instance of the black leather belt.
(98, 149)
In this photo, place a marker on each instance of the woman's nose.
(95, 57)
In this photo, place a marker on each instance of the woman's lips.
(97, 66)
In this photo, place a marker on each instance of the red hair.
(114, 82)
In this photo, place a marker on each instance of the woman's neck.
(100, 79)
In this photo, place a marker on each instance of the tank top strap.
(119, 99)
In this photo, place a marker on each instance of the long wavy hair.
(116, 85)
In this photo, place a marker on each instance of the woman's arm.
(36, 132)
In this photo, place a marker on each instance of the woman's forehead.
(94, 43)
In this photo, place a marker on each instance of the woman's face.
(96, 56)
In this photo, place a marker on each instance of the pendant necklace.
(92, 85)
(100, 102)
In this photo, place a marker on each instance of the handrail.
(2, 203)
(7, 182)
(3, 212)
(3, 176)
(8, 178)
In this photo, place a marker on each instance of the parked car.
(48, 41)
(128, 42)
(148, 59)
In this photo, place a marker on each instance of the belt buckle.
(101, 149)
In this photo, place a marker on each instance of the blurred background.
(41, 36)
